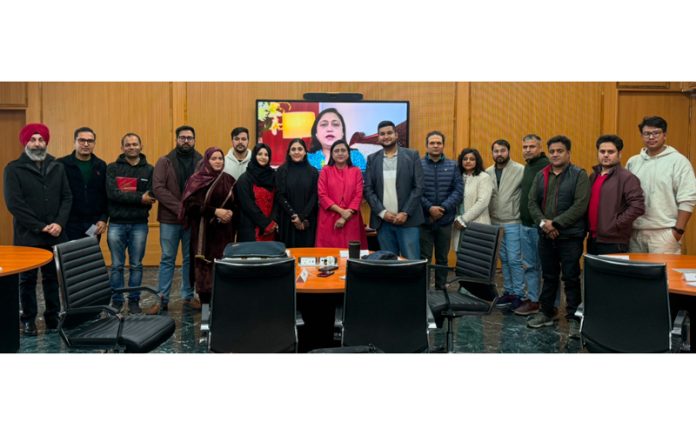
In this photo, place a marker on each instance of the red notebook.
(127, 184)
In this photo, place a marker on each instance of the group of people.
(418, 206)
(549, 206)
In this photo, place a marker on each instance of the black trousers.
(598, 248)
(27, 291)
(437, 237)
(560, 256)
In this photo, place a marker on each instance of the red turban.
(29, 130)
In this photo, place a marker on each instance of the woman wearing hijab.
(340, 193)
(207, 208)
(296, 181)
(255, 192)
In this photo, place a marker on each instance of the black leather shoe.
(29, 327)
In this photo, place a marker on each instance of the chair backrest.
(253, 306)
(477, 259)
(386, 305)
(82, 275)
(626, 306)
(255, 250)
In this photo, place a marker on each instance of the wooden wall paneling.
(674, 107)
(610, 109)
(112, 109)
(512, 110)
(34, 105)
(13, 95)
(11, 122)
(462, 118)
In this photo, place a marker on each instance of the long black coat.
(36, 198)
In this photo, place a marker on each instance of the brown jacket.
(620, 204)
(165, 186)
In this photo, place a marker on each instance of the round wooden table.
(13, 260)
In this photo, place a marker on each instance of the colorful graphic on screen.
(320, 124)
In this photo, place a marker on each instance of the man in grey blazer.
(393, 188)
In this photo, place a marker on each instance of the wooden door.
(677, 109)
(11, 121)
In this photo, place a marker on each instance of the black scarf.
(263, 176)
(184, 162)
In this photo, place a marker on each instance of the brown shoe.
(152, 310)
(194, 304)
(528, 307)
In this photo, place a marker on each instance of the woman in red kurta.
(340, 194)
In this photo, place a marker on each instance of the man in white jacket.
(239, 155)
(667, 178)
(504, 210)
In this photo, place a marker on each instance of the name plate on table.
(320, 261)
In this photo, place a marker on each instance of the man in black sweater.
(87, 178)
(129, 189)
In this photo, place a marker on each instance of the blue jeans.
(404, 241)
(530, 261)
(119, 238)
(170, 235)
(511, 259)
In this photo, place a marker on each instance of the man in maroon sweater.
(616, 200)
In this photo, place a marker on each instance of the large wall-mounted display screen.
(320, 124)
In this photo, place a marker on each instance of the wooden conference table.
(335, 283)
(318, 297)
(13, 260)
(675, 280)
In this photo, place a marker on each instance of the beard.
(37, 154)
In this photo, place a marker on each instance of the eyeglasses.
(86, 141)
(186, 138)
(654, 133)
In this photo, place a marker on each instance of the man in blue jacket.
(443, 190)
(38, 196)
(87, 179)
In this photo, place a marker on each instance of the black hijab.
(263, 176)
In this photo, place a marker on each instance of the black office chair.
(253, 306)
(626, 308)
(475, 272)
(87, 320)
(385, 305)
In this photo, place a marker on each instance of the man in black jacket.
(38, 196)
(87, 178)
(128, 187)
(558, 201)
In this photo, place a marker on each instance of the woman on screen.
(329, 127)
(478, 188)
(296, 183)
(207, 209)
(340, 193)
(255, 191)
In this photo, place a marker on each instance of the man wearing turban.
(38, 196)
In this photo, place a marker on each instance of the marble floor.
(500, 332)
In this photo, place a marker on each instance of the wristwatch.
(679, 231)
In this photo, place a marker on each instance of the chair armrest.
(580, 311)
(97, 309)
(338, 318)
(299, 321)
(133, 289)
(680, 336)
(430, 318)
